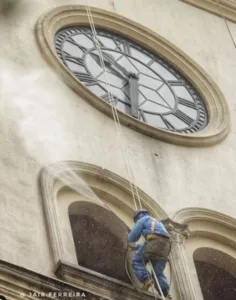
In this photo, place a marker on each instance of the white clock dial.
(143, 85)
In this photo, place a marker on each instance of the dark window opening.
(216, 273)
(99, 236)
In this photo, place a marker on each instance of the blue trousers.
(139, 268)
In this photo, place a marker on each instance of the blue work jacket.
(143, 227)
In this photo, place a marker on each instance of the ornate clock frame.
(76, 15)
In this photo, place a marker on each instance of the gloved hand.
(129, 246)
(125, 246)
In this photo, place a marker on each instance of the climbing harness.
(156, 247)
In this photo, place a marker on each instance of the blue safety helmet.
(139, 214)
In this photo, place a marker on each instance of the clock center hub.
(133, 75)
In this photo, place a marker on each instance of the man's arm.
(135, 233)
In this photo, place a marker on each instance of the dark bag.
(157, 249)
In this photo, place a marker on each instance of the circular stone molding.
(75, 15)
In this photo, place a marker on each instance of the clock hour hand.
(110, 63)
(133, 92)
(109, 59)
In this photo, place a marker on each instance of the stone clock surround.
(74, 15)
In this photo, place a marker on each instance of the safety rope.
(131, 176)
(226, 23)
(130, 278)
(156, 279)
(111, 101)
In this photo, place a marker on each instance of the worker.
(150, 229)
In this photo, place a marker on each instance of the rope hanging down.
(133, 186)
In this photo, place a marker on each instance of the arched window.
(88, 215)
(99, 236)
(216, 273)
(210, 253)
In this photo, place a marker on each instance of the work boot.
(166, 294)
(147, 283)
(164, 291)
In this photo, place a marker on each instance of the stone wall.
(44, 121)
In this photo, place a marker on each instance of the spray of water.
(32, 102)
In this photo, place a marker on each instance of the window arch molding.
(190, 215)
(207, 229)
(216, 273)
(218, 113)
(105, 184)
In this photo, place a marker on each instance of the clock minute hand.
(133, 92)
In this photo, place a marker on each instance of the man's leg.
(139, 266)
(159, 266)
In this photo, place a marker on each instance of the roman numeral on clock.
(85, 78)
(187, 103)
(74, 59)
(183, 117)
(126, 47)
(167, 123)
(70, 40)
(175, 82)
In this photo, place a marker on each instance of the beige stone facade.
(59, 146)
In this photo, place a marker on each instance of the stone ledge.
(95, 283)
(228, 7)
(19, 283)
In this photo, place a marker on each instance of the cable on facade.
(133, 187)
(226, 23)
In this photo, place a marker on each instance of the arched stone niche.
(99, 236)
(69, 188)
(208, 230)
(216, 273)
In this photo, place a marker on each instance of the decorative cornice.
(228, 7)
(187, 215)
(218, 113)
(178, 232)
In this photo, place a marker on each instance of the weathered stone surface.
(43, 121)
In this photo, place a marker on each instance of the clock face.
(141, 83)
